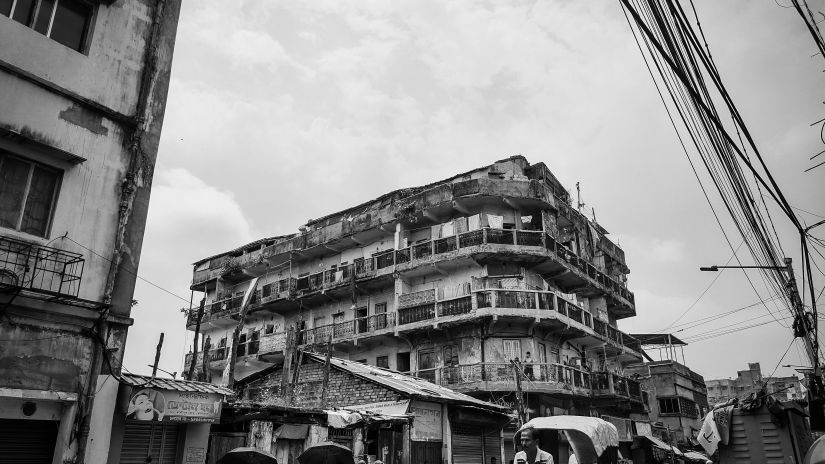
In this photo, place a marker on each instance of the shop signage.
(390, 408)
(150, 404)
(426, 424)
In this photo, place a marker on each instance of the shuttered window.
(27, 441)
(145, 439)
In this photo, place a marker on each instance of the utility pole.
(522, 413)
(579, 201)
(195, 342)
(157, 355)
(207, 344)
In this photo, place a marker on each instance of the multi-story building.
(787, 388)
(746, 382)
(470, 282)
(83, 88)
(676, 395)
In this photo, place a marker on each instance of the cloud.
(186, 217)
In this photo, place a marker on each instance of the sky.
(283, 111)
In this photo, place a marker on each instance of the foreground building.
(83, 88)
(676, 395)
(488, 283)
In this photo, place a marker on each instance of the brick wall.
(344, 389)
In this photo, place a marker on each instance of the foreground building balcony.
(612, 386)
(546, 256)
(430, 309)
(548, 378)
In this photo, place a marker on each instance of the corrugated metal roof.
(135, 380)
(405, 383)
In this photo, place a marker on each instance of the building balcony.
(264, 347)
(349, 331)
(555, 261)
(428, 309)
(537, 377)
(40, 270)
(613, 386)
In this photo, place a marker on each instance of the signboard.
(150, 404)
(389, 408)
(427, 423)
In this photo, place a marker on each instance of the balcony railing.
(348, 330)
(40, 268)
(611, 384)
(537, 374)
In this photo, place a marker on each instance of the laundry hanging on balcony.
(495, 222)
(474, 222)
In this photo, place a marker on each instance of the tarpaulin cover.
(342, 419)
(589, 436)
(292, 431)
(696, 456)
(662, 445)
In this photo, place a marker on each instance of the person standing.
(528, 366)
(531, 453)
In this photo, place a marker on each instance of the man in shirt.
(530, 453)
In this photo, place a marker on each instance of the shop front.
(164, 421)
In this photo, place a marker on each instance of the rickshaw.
(593, 440)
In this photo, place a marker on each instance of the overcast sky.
(282, 111)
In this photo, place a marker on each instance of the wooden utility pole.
(207, 375)
(522, 413)
(195, 343)
(325, 384)
(236, 334)
(289, 355)
(157, 355)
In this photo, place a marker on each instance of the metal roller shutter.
(492, 445)
(467, 445)
(142, 439)
(27, 441)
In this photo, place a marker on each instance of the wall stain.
(88, 120)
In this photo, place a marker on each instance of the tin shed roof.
(413, 386)
(144, 381)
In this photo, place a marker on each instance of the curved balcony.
(350, 331)
(499, 376)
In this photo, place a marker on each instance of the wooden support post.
(325, 384)
(236, 334)
(157, 355)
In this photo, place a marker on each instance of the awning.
(291, 432)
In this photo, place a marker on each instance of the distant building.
(83, 87)
(676, 395)
(751, 381)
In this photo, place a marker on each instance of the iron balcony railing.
(40, 268)
(533, 375)
(347, 330)
(612, 384)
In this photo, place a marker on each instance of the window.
(28, 192)
(668, 405)
(450, 355)
(65, 21)
(402, 362)
(269, 329)
(383, 361)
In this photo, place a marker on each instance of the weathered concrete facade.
(452, 282)
(82, 98)
(677, 397)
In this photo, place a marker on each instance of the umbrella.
(246, 455)
(326, 453)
